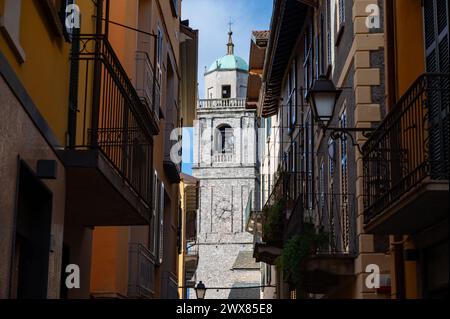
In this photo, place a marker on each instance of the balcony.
(406, 161)
(109, 165)
(191, 257)
(331, 265)
(141, 281)
(221, 158)
(269, 225)
(220, 104)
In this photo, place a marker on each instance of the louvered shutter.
(436, 25)
(161, 224)
(153, 231)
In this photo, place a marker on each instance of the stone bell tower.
(225, 162)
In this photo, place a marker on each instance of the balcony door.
(436, 31)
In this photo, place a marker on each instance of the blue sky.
(211, 18)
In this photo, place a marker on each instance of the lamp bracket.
(338, 133)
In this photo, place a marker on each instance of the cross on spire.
(230, 24)
(230, 45)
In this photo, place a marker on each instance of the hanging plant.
(297, 250)
(273, 225)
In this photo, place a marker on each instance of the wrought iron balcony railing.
(221, 103)
(141, 282)
(410, 145)
(336, 216)
(287, 192)
(114, 119)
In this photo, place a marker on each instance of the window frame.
(10, 27)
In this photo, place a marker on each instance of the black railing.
(410, 145)
(286, 197)
(336, 215)
(114, 120)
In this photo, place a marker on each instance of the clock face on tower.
(222, 209)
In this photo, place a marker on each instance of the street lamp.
(200, 290)
(323, 97)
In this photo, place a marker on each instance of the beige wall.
(31, 147)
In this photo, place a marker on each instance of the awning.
(287, 22)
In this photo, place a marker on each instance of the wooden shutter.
(161, 224)
(436, 30)
(153, 231)
(436, 36)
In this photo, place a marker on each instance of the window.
(329, 31)
(322, 60)
(210, 93)
(331, 201)
(436, 25)
(159, 61)
(292, 92)
(308, 59)
(344, 185)
(159, 48)
(226, 91)
(153, 231)
(322, 187)
(269, 127)
(10, 25)
(224, 140)
(174, 7)
(341, 15)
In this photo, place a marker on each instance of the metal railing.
(147, 86)
(288, 190)
(221, 103)
(410, 144)
(114, 119)
(192, 249)
(336, 215)
(141, 282)
(288, 186)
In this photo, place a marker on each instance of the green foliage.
(274, 222)
(297, 249)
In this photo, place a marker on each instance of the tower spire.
(230, 45)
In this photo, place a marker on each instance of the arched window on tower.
(224, 139)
